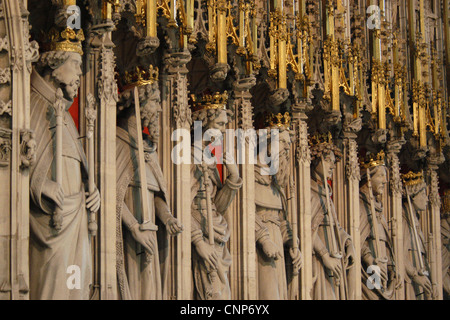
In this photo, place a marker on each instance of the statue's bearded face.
(325, 168)
(216, 127)
(150, 103)
(284, 158)
(151, 113)
(68, 75)
(379, 180)
(220, 122)
(420, 200)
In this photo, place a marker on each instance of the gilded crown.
(321, 142)
(412, 179)
(140, 77)
(68, 40)
(317, 139)
(372, 160)
(278, 121)
(209, 102)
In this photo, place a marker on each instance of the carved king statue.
(417, 282)
(333, 250)
(59, 241)
(376, 244)
(211, 198)
(273, 231)
(143, 217)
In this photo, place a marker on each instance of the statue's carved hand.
(398, 280)
(332, 264)
(145, 238)
(349, 253)
(208, 254)
(93, 201)
(369, 260)
(383, 272)
(270, 249)
(424, 282)
(230, 163)
(54, 192)
(297, 259)
(174, 226)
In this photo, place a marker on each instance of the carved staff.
(432, 264)
(206, 180)
(396, 250)
(293, 213)
(335, 251)
(147, 224)
(59, 113)
(91, 116)
(294, 221)
(374, 225)
(422, 271)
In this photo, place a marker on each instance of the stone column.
(303, 184)
(395, 187)
(16, 55)
(244, 266)
(435, 224)
(351, 184)
(100, 81)
(175, 97)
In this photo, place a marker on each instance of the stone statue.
(141, 276)
(333, 250)
(273, 232)
(59, 240)
(417, 282)
(211, 198)
(376, 244)
(445, 242)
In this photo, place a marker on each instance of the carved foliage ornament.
(5, 75)
(352, 169)
(303, 153)
(395, 180)
(5, 147)
(107, 85)
(434, 197)
(5, 107)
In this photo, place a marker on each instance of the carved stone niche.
(5, 147)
